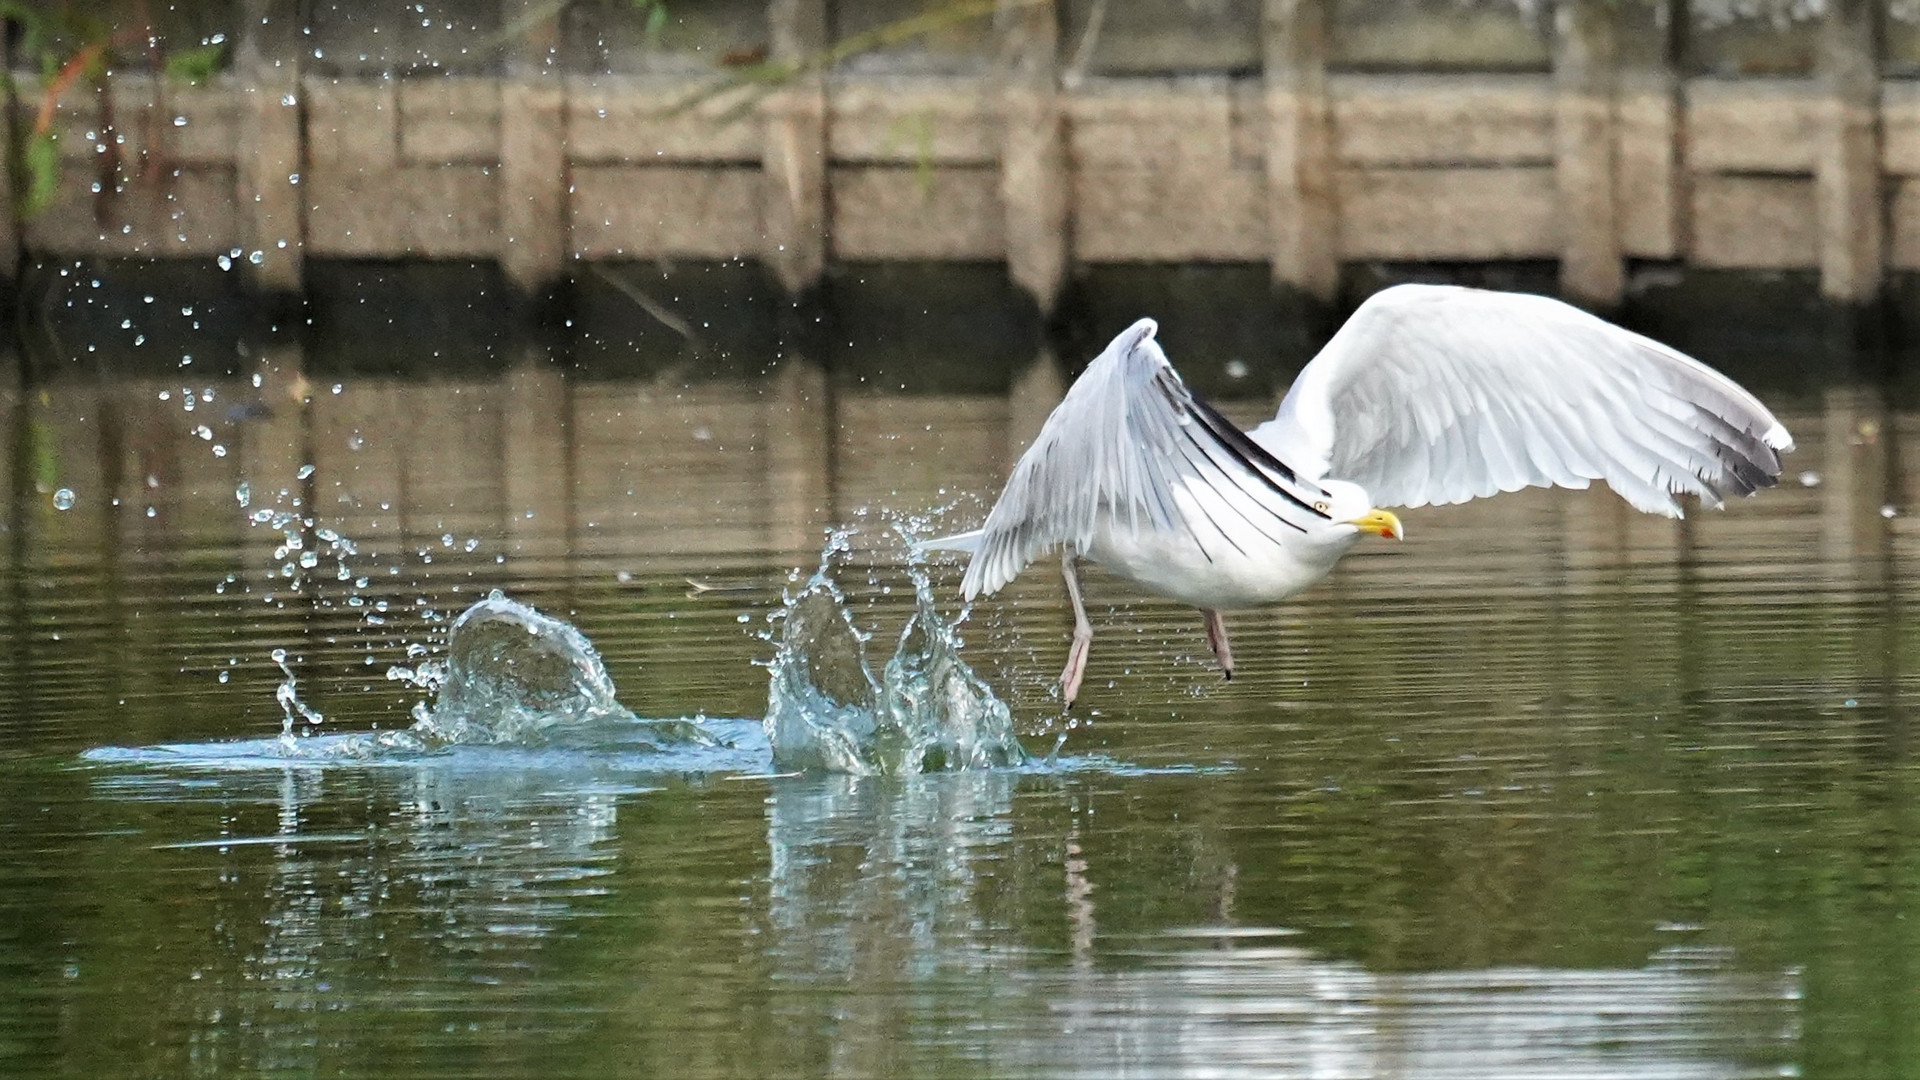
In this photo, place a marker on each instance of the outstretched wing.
(1440, 394)
(1130, 445)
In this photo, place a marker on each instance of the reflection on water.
(1284, 1012)
(1551, 789)
(893, 890)
(907, 926)
(428, 910)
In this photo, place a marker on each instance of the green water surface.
(1551, 789)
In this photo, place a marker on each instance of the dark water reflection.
(1552, 789)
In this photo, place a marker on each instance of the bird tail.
(966, 541)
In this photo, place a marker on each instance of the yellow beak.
(1380, 523)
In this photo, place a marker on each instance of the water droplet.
(305, 471)
(224, 676)
(243, 494)
(257, 258)
(63, 499)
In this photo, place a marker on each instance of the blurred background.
(323, 318)
(1716, 172)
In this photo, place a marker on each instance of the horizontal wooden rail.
(1606, 157)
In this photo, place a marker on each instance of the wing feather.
(1131, 447)
(1439, 394)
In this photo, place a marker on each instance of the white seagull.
(1428, 395)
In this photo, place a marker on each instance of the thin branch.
(1083, 53)
(648, 304)
(764, 78)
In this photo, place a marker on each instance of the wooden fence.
(1301, 134)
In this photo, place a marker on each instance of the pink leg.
(1082, 634)
(1217, 638)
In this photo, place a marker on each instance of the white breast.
(1245, 561)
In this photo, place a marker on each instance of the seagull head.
(1351, 508)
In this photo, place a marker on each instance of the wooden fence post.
(1302, 206)
(1847, 157)
(533, 153)
(1033, 157)
(794, 199)
(1584, 69)
(1649, 185)
(271, 154)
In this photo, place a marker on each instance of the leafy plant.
(69, 48)
(656, 13)
(196, 66)
(766, 76)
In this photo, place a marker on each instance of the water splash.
(296, 711)
(927, 712)
(527, 693)
(513, 675)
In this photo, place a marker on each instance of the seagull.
(1428, 395)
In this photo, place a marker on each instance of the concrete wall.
(1305, 134)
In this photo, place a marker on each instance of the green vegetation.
(68, 48)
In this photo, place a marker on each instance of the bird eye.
(1320, 505)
